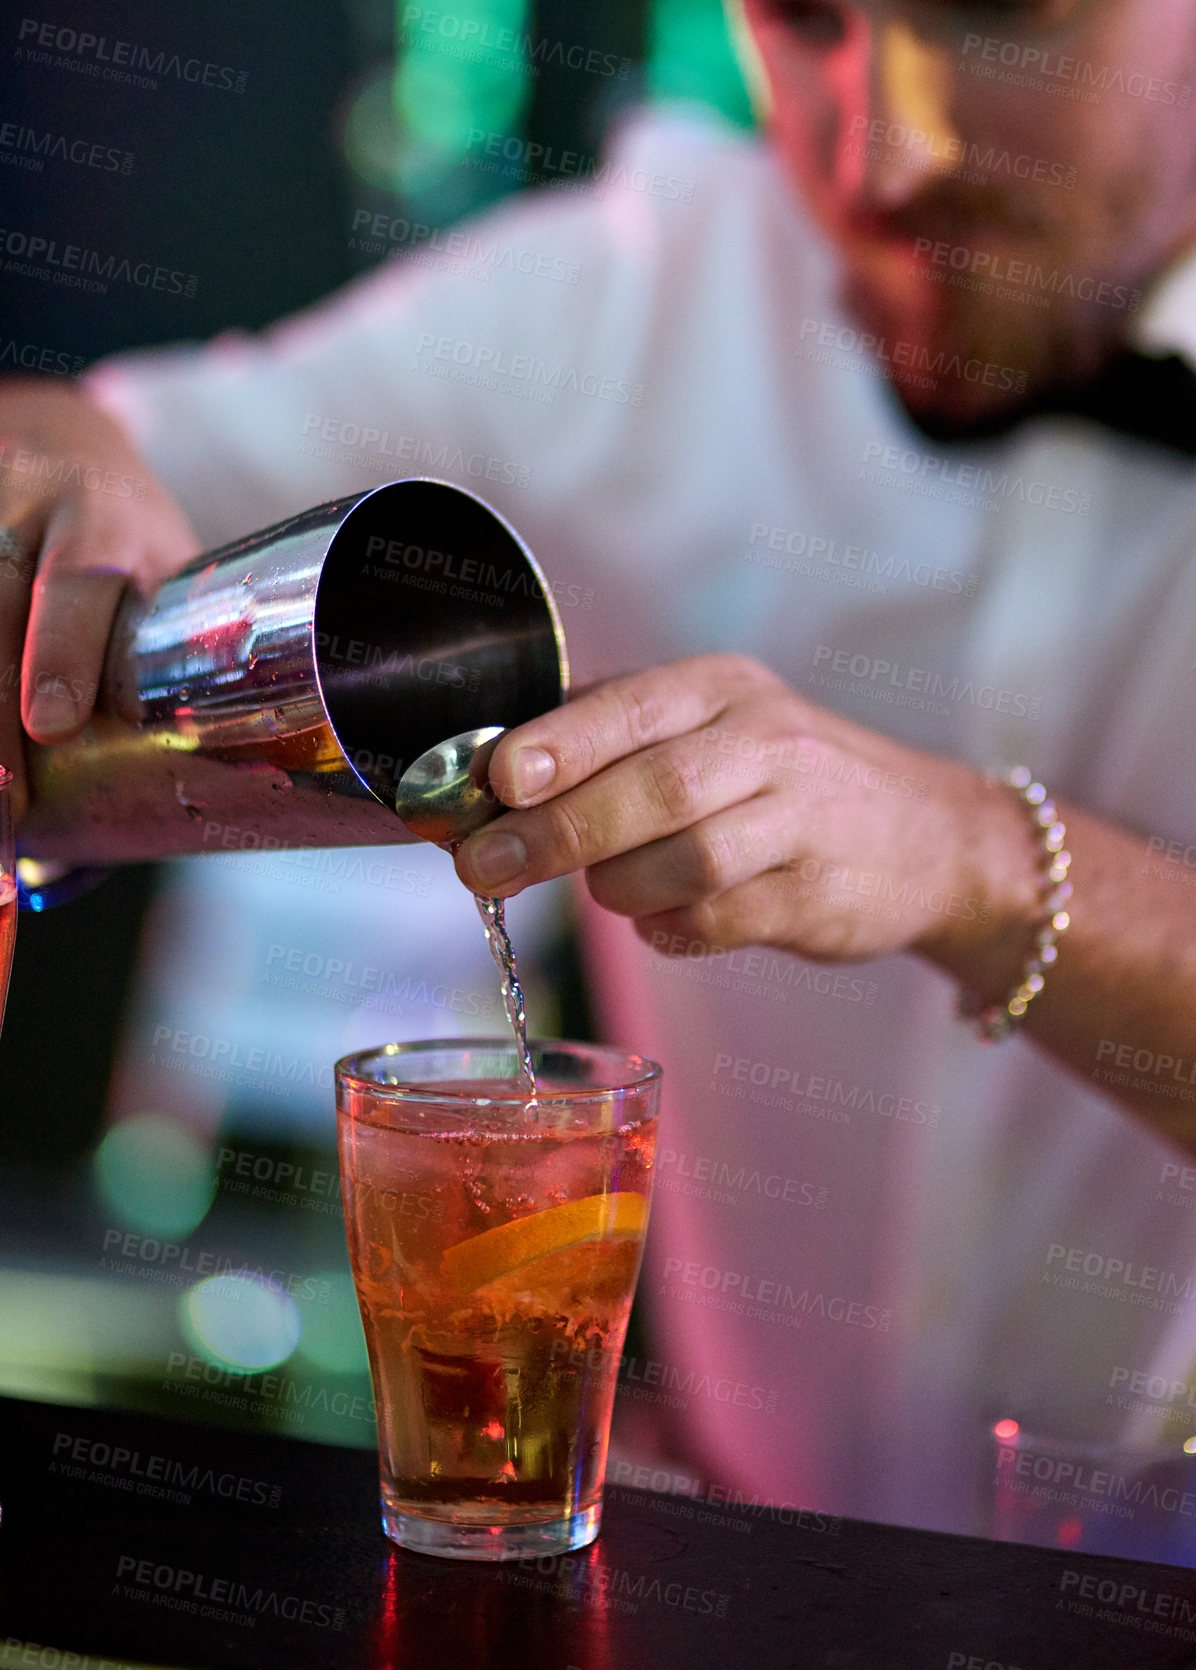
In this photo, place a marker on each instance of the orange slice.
(506, 1247)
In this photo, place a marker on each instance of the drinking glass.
(8, 886)
(495, 1244)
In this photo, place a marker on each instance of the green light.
(464, 74)
(63, 1330)
(332, 1337)
(241, 1322)
(465, 71)
(372, 140)
(460, 72)
(155, 1174)
(691, 58)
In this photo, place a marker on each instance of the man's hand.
(717, 808)
(713, 805)
(80, 517)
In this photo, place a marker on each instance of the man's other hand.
(81, 517)
(718, 808)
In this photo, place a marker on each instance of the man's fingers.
(20, 534)
(88, 556)
(757, 912)
(91, 552)
(700, 863)
(561, 749)
(637, 800)
(69, 621)
(90, 517)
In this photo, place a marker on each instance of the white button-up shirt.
(871, 1234)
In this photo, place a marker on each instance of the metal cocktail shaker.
(272, 693)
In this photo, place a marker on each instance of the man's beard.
(973, 362)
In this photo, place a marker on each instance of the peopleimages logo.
(1128, 1596)
(1170, 861)
(1024, 275)
(772, 975)
(1079, 77)
(817, 338)
(464, 253)
(886, 675)
(30, 147)
(147, 1474)
(1156, 1387)
(290, 1399)
(1089, 1271)
(224, 1059)
(387, 664)
(633, 1372)
(124, 61)
(43, 472)
(494, 368)
(710, 1178)
(349, 437)
(136, 1251)
(977, 164)
(32, 1655)
(1084, 1480)
(33, 256)
(1177, 1068)
(475, 38)
(223, 1597)
(770, 1078)
(788, 760)
(763, 1299)
(935, 469)
(532, 162)
(33, 356)
(580, 1578)
(803, 553)
(673, 1490)
(436, 570)
(366, 986)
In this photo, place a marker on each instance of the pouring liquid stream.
(442, 797)
(499, 940)
(494, 922)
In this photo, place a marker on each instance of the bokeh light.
(1005, 1430)
(466, 71)
(155, 1174)
(332, 1338)
(408, 128)
(691, 58)
(65, 1337)
(1069, 1533)
(241, 1321)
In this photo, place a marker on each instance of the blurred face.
(1001, 180)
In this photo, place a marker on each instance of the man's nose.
(899, 136)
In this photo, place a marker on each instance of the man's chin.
(962, 414)
(963, 372)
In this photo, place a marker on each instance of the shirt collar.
(1166, 323)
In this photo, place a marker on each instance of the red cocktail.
(495, 1246)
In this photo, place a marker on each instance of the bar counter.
(131, 1540)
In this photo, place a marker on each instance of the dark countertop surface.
(133, 1540)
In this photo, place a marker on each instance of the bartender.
(893, 603)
